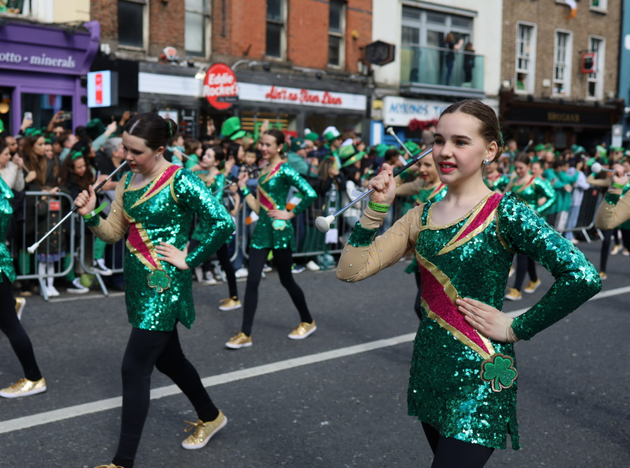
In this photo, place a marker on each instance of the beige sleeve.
(597, 182)
(359, 263)
(610, 216)
(409, 188)
(112, 229)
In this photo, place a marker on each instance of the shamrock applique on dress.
(499, 370)
(159, 280)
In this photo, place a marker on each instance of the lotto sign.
(220, 87)
(102, 89)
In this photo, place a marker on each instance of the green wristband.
(378, 207)
(95, 212)
(616, 185)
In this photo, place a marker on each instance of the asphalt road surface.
(334, 400)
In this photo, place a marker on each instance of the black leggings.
(603, 256)
(11, 326)
(453, 453)
(282, 260)
(145, 350)
(524, 264)
(223, 255)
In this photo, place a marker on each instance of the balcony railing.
(436, 66)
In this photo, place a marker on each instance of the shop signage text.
(220, 87)
(398, 111)
(297, 96)
(41, 60)
(563, 117)
(102, 88)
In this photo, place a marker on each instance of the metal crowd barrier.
(55, 257)
(588, 210)
(43, 209)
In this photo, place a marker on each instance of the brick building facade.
(284, 44)
(545, 95)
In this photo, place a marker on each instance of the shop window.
(525, 58)
(599, 5)
(132, 23)
(44, 106)
(197, 23)
(595, 81)
(336, 33)
(562, 64)
(276, 14)
(251, 121)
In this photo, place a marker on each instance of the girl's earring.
(486, 161)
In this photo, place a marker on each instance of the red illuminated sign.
(220, 86)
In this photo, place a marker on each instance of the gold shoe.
(239, 341)
(111, 465)
(20, 302)
(603, 275)
(532, 286)
(231, 303)
(203, 432)
(303, 330)
(24, 387)
(616, 249)
(514, 295)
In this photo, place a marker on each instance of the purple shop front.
(41, 68)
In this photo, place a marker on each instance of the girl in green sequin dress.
(274, 232)
(154, 206)
(463, 370)
(539, 196)
(10, 309)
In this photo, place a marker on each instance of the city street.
(334, 400)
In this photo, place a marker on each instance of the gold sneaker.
(24, 387)
(616, 249)
(239, 341)
(514, 295)
(603, 275)
(231, 303)
(20, 302)
(303, 330)
(532, 286)
(203, 432)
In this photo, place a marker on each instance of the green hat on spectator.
(312, 136)
(95, 128)
(540, 147)
(413, 148)
(381, 149)
(616, 149)
(601, 151)
(590, 162)
(577, 149)
(231, 129)
(1, 126)
(350, 155)
(331, 134)
(296, 144)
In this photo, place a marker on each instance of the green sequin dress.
(462, 383)
(203, 228)
(532, 191)
(272, 192)
(158, 294)
(6, 211)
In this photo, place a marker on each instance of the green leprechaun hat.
(350, 155)
(296, 144)
(413, 148)
(540, 147)
(231, 129)
(331, 134)
(381, 149)
(312, 136)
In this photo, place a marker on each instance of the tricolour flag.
(573, 5)
(252, 218)
(295, 201)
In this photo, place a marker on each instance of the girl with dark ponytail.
(154, 206)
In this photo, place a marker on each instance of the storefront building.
(42, 71)
(561, 124)
(290, 105)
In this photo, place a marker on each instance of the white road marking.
(112, 403)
